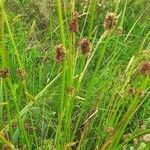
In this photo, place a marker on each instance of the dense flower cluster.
(60, 53)
(145, 68)
(73, 25)
(85, 46)
(110, 21)
(4, 73)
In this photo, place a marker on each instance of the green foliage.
(67, 100)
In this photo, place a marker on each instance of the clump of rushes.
(132, 91)
(85, 46)
(5, 73)
(21, 73)
(145, 68)
(110, 21)
(73, 25)
(60, 53)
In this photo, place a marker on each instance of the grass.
(87, 89)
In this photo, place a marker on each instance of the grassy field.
(74, 75)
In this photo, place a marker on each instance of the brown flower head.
(110, 21)
(20, 73)
(85, 46)
(60, 53)
(132, 91)
(6, 72)
(73, 25)
(145, 68)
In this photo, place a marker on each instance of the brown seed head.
(73, 25)
(6, 72)
(145, 68)
(60, 53)
(21, 73)
(85, 46)
(132, 91)
(110, 21)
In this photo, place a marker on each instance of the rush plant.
(74, 75)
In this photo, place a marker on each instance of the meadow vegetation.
(74, 75)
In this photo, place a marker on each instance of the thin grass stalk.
(70, 72)
(11, 36)
(117, 2)
(63, 84)
(123, 15)
(81, 34)
(8, 110)
(91, 17)
(3, 57)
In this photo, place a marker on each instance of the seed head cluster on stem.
(110, 21)
(73, 25)
(60, 53)
(145, 68)
(85, 46)
(5, 72)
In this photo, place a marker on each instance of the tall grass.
(73, 80)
